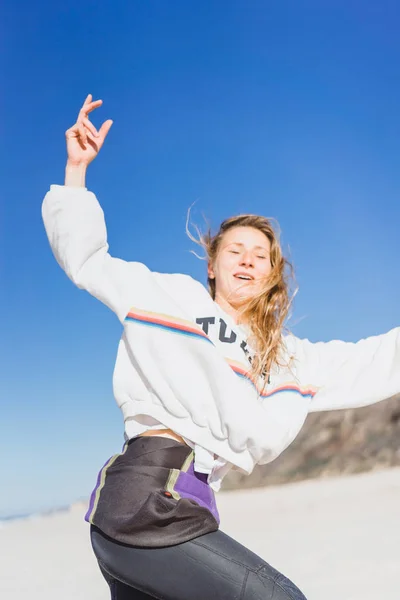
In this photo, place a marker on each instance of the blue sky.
(287, 109)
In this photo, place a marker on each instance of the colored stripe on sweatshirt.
(241, 371)
(166, 322)
(188, 328)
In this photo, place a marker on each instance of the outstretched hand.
(84, 141)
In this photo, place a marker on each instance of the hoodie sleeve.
(75, 227)
(349, 375)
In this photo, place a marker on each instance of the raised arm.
(75, 225)
(349, 375)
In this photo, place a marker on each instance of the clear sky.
(289, 109)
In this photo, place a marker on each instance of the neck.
(227, 307)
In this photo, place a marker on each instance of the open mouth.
(244, 276)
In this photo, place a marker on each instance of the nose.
(246, 260)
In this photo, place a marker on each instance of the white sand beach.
(336, 538)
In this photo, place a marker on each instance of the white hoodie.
(183, 363)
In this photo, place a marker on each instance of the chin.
(242, 297)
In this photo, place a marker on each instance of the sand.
(336, 538)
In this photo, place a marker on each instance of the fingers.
(89, 125)
(72, 132)
(88, 106)
(86, 135)
(78, 132)
(104, 129)
(86, 132)
(91, 106)
(82, 133)
(83, 121)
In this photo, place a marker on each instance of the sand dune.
(336, 538)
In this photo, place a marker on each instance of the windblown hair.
(266, 312)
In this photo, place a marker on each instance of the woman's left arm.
(349, 375)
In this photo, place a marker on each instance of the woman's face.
(242, 262)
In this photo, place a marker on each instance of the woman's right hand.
(83, 140)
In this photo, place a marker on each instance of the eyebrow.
(255, 247)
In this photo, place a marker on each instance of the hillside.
(334, 443)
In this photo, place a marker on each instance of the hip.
(151, 496)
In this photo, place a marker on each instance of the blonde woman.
(206, 381)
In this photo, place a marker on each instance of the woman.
(206, 382)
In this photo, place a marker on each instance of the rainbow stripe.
(305, 391)
(187, 328)
(167, 323)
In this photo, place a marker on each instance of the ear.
(210, 271)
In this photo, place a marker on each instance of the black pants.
(210, 567)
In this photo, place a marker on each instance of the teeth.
(242, 277)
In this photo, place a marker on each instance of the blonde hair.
(266, 312)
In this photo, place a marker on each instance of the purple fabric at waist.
(194, 486)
